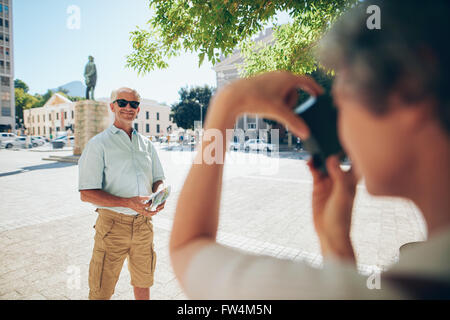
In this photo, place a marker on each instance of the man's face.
(127, 114)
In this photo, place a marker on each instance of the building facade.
(227, 70)
(55, 116)
(7, 101)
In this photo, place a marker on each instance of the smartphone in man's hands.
(158, 198)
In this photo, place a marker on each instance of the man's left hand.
(158, 209)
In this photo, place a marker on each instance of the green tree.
(216, 27)
(23, 101)
(22, 85)
(187, 110)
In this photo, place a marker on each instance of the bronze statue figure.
(90, 75)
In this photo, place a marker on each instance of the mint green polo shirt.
(122, 167)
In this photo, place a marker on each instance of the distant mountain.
(75, 88)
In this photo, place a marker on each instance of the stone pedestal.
(91, 118)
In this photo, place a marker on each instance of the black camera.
(320, 115)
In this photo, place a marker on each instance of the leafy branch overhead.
(213, 28)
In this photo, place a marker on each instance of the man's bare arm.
(156, 185)
(104, 199)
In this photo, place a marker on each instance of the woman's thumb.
(334, 170)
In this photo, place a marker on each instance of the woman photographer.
(391, 91)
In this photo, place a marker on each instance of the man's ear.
(111, 105)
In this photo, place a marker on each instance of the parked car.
(37, 141)
(43, 138)
(64, 139)
(19, 142)
(258, 145)
(7, 136)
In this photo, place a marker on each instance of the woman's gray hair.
(409, 54)
(116, 92)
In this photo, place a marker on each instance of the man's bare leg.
(141, 293)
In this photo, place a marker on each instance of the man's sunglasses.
(123, 103)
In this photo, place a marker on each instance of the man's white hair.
(116, 92)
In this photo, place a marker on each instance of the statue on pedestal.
(90, 75)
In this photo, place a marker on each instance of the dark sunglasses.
(123, 103)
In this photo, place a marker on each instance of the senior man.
(118, 170)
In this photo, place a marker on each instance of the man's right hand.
(138, 205)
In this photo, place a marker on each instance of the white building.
(7, 101)
(55, 116)
(227, 70)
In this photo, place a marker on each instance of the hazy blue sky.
(48, 54)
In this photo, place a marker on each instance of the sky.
(47, 54)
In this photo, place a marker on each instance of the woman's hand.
(271, 95)
(332, 204)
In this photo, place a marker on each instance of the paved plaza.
(46, 232)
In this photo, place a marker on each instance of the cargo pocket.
(96, 270)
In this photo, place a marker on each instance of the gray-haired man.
(118, 170)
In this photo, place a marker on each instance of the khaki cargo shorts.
(119, 236)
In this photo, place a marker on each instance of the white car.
(258, 145)
(7, 136)
(64, 139)
(37, 141)
(19, 142)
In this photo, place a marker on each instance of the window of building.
(251, 125)
(157, 128)
(50, 118)
(147, 115)
(38, 117)
(57, 129)
(1, 22)
(44, 130)
(7, 38)
(5, 81)
(147, 128)
(136, 127)
(72, 114)
(6, 24)
(6, 112)
(157, 116)
(6, 10)
(65, 115)
(57, 117)
(43, 119)
(50, 129)
(39, 131)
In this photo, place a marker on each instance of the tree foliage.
(215, 27)
(187, 110)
